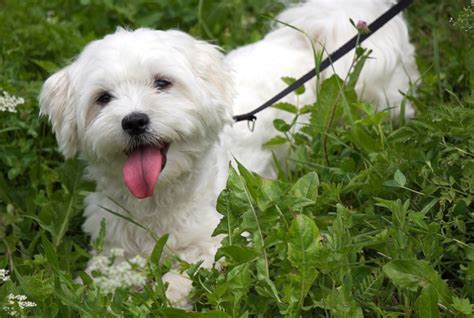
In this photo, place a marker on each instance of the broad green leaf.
(391, 183)
(266, 287)
(427, 303)
(248, 183)
(359, 136)
(301, 139)
(340, 303)
(306, 187)
(367, 108)
(239, 279)
(286, 107)
(277, 140)
(463, 306)
(50, 252)
(238, 254)
(306, 109)
(228, 221)
(303, 242)
(400, 178)
(413, 274)
(404, 274)
(281, 125)
(262, 268)
(85, 278)
(270, 193)
(297, 203)
(290, 80)
(327, 105)
(249, 223)
(250, 178)
(374, 120)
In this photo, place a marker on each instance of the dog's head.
(137, 97)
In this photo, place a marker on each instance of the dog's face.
(143, 99)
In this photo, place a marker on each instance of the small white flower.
(117, 252)
(113, 274)
(9, 103)
(100, 264)
(4, 275)
(16, 304)
(139, 261)
(10, 311)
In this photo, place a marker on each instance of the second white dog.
(151, 113)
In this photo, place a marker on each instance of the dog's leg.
(179, 286)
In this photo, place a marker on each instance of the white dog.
(151, 112)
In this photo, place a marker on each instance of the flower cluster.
(465, 21)
(16, 304)
(4, 275)
(112, 274)
(9, 103)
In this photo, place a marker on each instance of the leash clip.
(251, 123)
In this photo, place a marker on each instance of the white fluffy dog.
(151, 113)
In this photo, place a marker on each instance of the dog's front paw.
(178, 290)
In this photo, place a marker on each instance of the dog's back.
(285, 51)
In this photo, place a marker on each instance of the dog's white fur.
(195, 115)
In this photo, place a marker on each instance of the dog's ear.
(56, 102)
(214, 72)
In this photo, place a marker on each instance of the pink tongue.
(141, 171)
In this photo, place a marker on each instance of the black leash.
(332, 58)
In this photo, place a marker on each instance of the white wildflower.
(9, 103)
(4, 275)
(113, 273)
(100, 264)
(117, 252)
(139, 261)
(16, 304)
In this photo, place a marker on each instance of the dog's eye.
(161, 84)
(104, 98)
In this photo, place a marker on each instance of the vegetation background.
(375, 220)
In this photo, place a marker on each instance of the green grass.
(375, 219)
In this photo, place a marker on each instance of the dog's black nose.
(135, 123)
